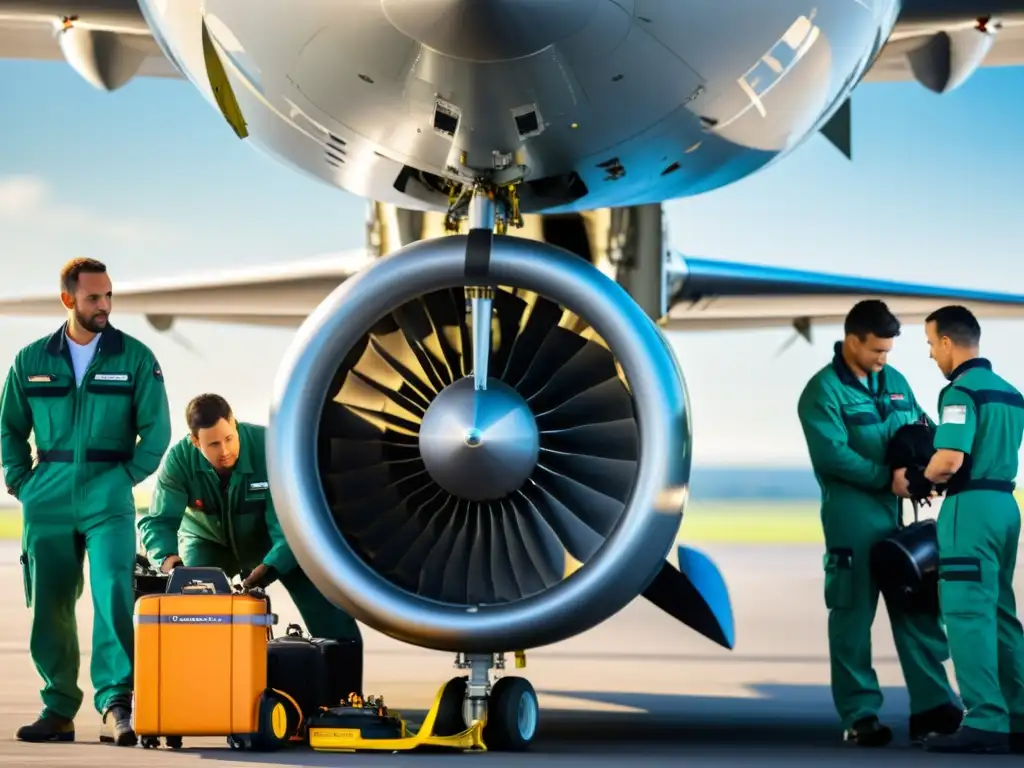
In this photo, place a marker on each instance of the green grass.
(754, 522)
(725, 522)
(707, 522)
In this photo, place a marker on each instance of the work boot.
(48, 728)
(868, 732)
(969, 740)
(944, 719)
(117, 725)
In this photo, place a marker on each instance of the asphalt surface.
(640, 684)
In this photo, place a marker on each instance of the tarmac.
(640, 684)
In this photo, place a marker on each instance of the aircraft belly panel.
(642, 100)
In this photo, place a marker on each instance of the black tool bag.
(905, 565)
(316, 672)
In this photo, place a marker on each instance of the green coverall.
(229, 522)
(847, 425)
(982, 416)
(94, 443)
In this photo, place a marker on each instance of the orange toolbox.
(201, 665)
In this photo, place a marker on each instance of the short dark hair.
(957, 323)
(203, 411)
(70, 272)
(871, 316)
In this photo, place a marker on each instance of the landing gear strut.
(508, 707)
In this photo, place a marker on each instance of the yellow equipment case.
(201, 664)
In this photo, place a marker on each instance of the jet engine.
(480, 444)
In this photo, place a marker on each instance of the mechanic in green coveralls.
(95, 400)
(212, 507)
(978, 440)
(849, 411)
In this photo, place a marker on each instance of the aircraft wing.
(705, 294)
(921, 20)
(32, 29)
(280, 295)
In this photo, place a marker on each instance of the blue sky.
(151, 180)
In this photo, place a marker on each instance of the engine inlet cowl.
(450, 517)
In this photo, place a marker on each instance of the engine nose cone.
(489, 30)
(479, 445)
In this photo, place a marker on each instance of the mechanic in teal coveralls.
(849, 410)
(212, 507)
(95, 400)
(978, 440)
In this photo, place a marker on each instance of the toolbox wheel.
(150, 742)
(273, 723)
(173, 742)
(238, 742)
(450, 719)
(512, 715)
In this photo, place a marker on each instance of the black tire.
(450, 720)
(512, 716)
(273, 723)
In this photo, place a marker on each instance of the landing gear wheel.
(512, 715)
(450, 719)
(150, 742)
(173, 742)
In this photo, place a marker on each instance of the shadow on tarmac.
(783, 722)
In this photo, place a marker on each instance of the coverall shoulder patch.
(157, 373)
(954, 414)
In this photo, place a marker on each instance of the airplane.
(480, 437)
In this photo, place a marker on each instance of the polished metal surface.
(494, 30)
(592, 103)
(479, 444)
(636, 545)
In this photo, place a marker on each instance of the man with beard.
(94, 399)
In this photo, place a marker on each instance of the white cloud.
(28, 200)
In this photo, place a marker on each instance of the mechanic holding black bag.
(849, 411)
(212, 507)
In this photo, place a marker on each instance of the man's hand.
(900, 486)
(169, 563)
(257, 576)
(918, 486)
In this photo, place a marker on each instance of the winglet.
(839, 130)
(696, 595)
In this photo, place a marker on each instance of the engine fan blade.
(478, 551)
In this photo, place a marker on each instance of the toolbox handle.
(186, 580)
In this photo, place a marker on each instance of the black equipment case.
(316, 672)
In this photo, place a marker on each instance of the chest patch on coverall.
(110, 377)
(37, 378)
(262, 486)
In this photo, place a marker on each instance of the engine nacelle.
(106, 60)
(949, 58)
(584, 417)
